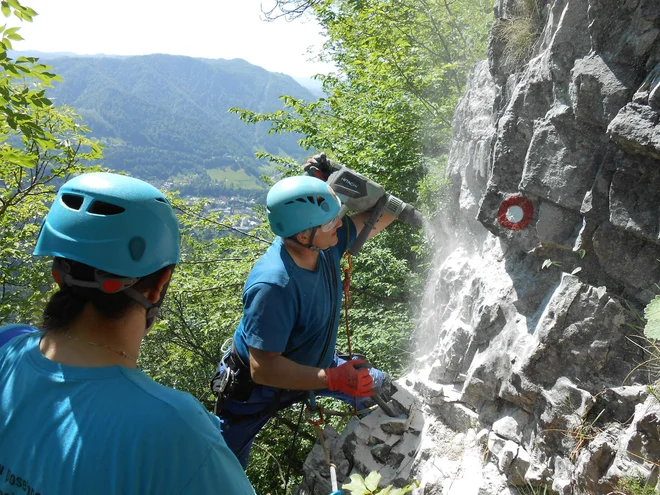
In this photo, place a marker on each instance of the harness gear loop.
(347, 298)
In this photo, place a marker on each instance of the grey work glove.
(320, 166)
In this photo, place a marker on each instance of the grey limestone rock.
(635, 129)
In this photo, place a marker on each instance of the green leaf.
(357, 485)
(577, 270)
(404, 490)
(652, 315)
(6, 11)
(546, 264)
(372, 480)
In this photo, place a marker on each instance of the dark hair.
(294, 237)
(66, 304)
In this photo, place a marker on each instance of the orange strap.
(309, 413)
(347, 298)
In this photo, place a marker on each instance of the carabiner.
(309, 412)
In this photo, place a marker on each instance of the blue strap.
(8, 332)
(312, 400)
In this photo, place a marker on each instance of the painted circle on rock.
(515, 212)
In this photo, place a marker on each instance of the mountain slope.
(163, 115)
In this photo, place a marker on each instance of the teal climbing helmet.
(298, 203)
(114, 223)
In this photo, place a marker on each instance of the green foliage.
(380, 306)
(652, 315)
(651, 345)
(369, 486)
(644, 325)
(548, 263)
(203, 305)
(403, 69)
(272, 455)
(434, 189)
(41, 145)
(635, 485)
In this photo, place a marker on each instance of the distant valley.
(164, 118)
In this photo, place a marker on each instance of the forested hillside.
(160, 116)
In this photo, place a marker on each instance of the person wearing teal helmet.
(76, 414)
(298, 204)
(284, 345)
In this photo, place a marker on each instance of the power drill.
(357, 193)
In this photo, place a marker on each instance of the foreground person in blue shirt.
(285, 342)
(76, 415)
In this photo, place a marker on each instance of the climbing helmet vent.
(72, 201)
(318, 200)
(105, 209)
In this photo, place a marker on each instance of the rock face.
(529, 376)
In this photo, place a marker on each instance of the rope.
(313, 408)
(346, 285)
(319, 433)
(347, 299)
(293, 447)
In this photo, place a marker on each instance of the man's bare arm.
(274, 370)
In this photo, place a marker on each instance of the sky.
(202, 28)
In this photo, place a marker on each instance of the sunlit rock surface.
(529, 377)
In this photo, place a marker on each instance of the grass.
(520, 32)
(633, 485)
(530, 489)
(583, 434)
(237, 178)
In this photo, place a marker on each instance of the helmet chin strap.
(153, 309)
(310, 245)
(111, 284)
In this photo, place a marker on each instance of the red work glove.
(351, 381)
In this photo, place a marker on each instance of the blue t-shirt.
(288, 309)
(106, 430)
